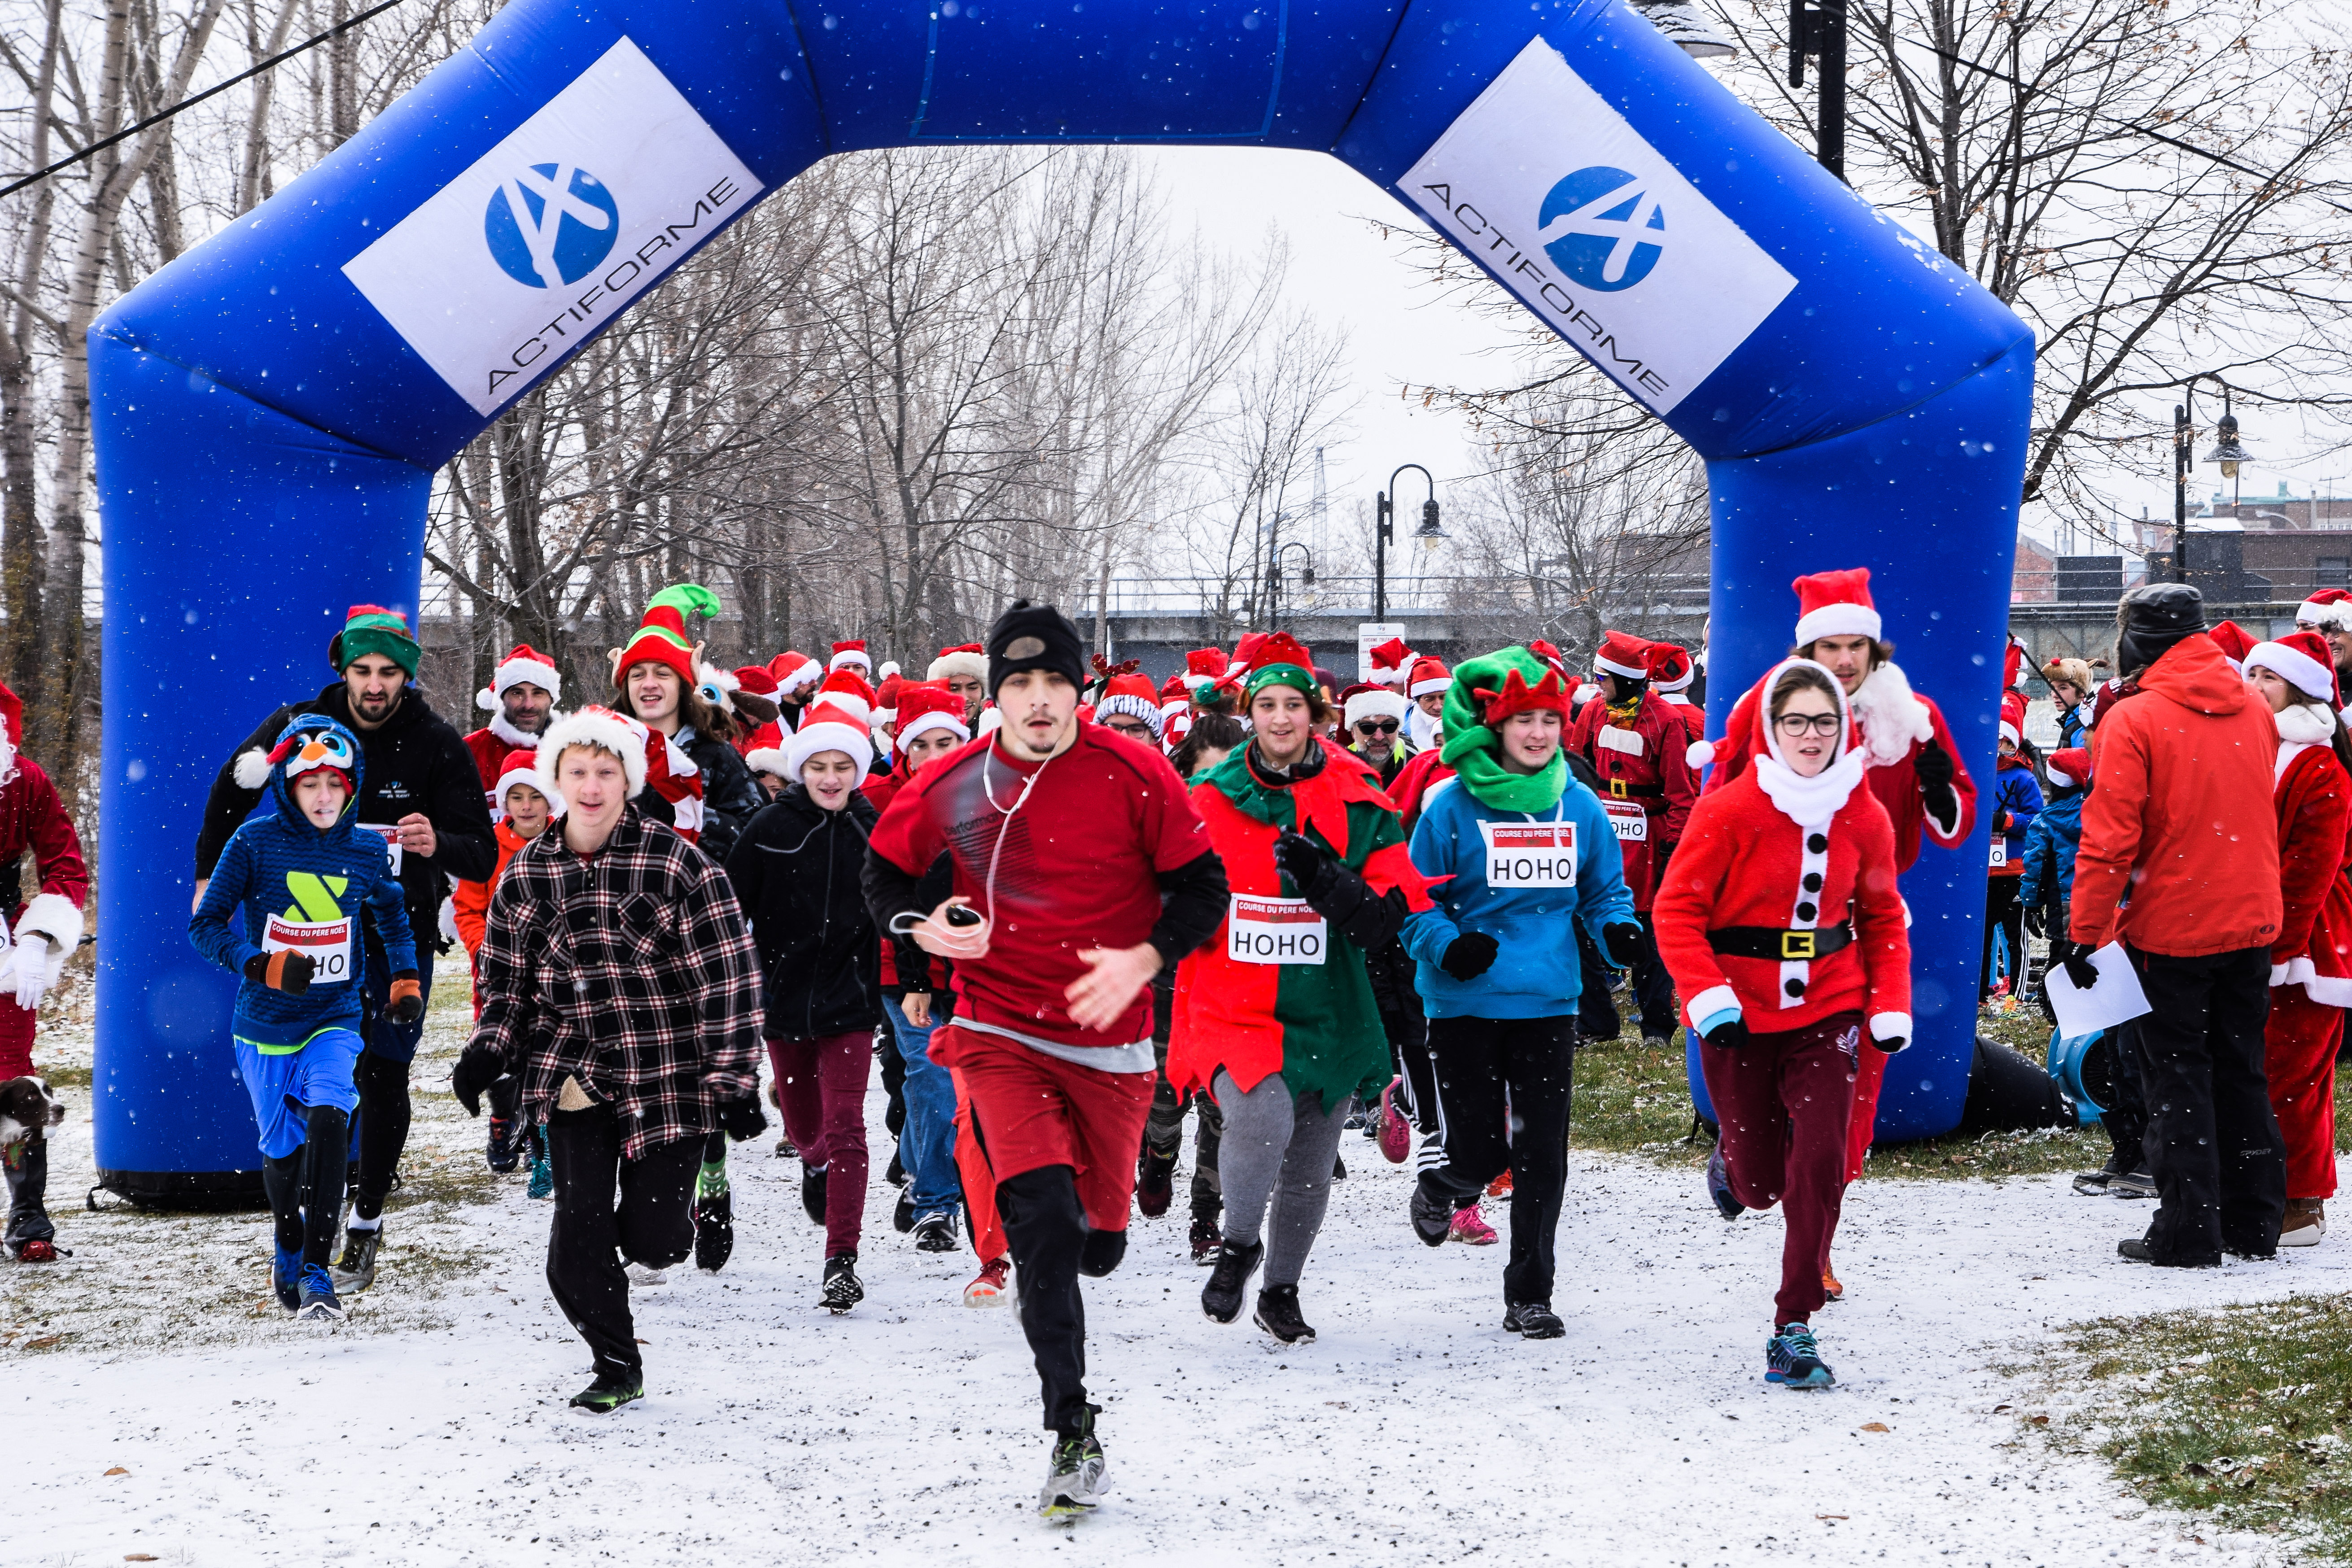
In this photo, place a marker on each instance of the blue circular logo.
(1602, 229)
(551, 224)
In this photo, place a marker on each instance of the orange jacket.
(2180, 820)
(472, 899)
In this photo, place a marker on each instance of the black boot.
(610, 1392)
(1278, 1314)
(1207, 1235)
(714, 1231)
(1221, 1298)
(1155, 1183)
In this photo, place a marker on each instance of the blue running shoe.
(318, 1302)
(285, 1277)
(1793, 1361)
(1718, 1186)
(543, 1179)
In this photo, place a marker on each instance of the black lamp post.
(2226, 451)
(1384, 534)
(1273, 583)
(1819, 30)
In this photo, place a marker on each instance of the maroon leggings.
(821, 1090)
(1782, 1101)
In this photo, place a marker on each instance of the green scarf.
(1472, 750)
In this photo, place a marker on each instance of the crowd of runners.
(1067, 910)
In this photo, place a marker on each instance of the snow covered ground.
(432, 1429)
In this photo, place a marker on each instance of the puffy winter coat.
(796, 872)
(2180, 817)
(2050, 845)
(2016, 802)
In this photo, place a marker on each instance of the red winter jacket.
(2314, 801)
(491, 752)
(2181, 817)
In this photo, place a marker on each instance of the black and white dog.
(27, 1108)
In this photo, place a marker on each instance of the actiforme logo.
(551, 224)
(1602, 229)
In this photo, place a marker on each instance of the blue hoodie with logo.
(303, 882)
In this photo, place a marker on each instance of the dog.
(27, 1108)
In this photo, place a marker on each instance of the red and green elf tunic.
(1316, 1024)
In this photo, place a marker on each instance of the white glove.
(26, 972)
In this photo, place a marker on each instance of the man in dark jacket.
(423, 792)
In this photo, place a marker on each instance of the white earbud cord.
(988, 788)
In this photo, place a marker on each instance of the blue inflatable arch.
(270, 408)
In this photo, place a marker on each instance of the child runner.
(1782, 924)
(1089, 872)
(304, 870)
(1518, 853)
(523, 814)
(2016, 802)
(1279, 1024)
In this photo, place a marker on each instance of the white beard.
(1891, 718)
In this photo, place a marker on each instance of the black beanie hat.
(1034, 636)
(2152, 617)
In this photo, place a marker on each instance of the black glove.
(1934, 770)
(2036, 918)
(1302, 861)
(743, 1119)
(284, 970)
(1728, 1035)
(1627, 942)
(405, 1001)
(2079, 969)
(1469, 955)
(475, 1071)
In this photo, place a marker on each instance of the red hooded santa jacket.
(2313, 803)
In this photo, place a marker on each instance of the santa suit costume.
(2311, 962)
(43, 932)
(1782, 924)
(494, 743)
(1894, 727)
(1647, 788)
(1671, 674)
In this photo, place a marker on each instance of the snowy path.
(1414, 1431)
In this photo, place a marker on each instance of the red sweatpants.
(1028, 1111)
(16, 1040)
(1870, 1073)
(979, 1181)
(2299, 1044)
(1782, 1101)
(820, 1090)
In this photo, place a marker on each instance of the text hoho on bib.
(1530, 854)
(1275, 930)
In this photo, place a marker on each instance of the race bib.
(1628, 821)
(1530, 854)
(1627, 741)
(1275, 930)
(390, 836)
(327, 942)
(2001, 849)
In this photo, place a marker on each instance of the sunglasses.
(1369, 726)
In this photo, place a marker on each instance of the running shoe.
(317, 1303)
(842, 1290)
(646, 1274)
(2094, 1183)
(1395, 1132)
(1207, 1235)
(1792, 1360)
(1831, 1290)
(987, 1287)
(40, 1249)
(1278, 1314)
(543, 1179)
(1432, 1216)
(504, 1151)
(610, 1392)
(902, 1215)
(935, 1232)
(895, 1172)
(714, 1231)
(1500, 1187)
(355, 1270)
(1221, 1298)
(1155, 1182)
(1470, 1228)
(2306, 1222)
(2132, 1184)
(1532, 1321)
(1718, 1186)
(285, 1277)
(1077, 1477)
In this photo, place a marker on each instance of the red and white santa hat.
(847, 691)
(886, 700)
(1203, 667)
(2327, 607)
(2235, 642)
(829, 727)
(2013, 717)
(2303, 660)
(1670, 668)
(925, 706)
(794, 669)
(1389, 662)
(525, 664)
(522, 768)
(1835, 605)
(851, 656)
(1133, 695)
(2068, 768)
(596, 726)
(1370, 701)
(965, 659)
(767, 760)
(1430, 677)
(1623, 654)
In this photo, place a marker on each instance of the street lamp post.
(1273, 583)
(1819, 30)
(1384, 534)
(2227, 452)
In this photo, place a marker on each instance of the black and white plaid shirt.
(631, 971)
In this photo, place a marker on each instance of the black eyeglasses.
(1376, 727)
(1795, 725)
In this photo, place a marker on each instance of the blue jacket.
(278, 864)
(1535, 974)
(2049, 847)
(2072, 731)
(2017, 792)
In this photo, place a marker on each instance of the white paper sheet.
(2115, 999)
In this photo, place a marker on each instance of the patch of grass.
(2244, 1414)
(1631, 1099)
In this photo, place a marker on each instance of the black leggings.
(608, 1209)
(306, 1187)
(383, 1128)
(1408, 1034)
(1503, 1086)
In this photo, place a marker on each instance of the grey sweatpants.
(1280, 1150)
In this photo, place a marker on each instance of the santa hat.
(2013, 668)
(891, 667)
(1550, 653)
(886, 699)
(965, 659)
(2301, 660)
(1430, 677)
(1518, 697)
(2327, 607)
(1623, 654)
(2235, 642)
(991, 719)
(829, 727)
(1670, 668)
(1179, 724)
(522, 768)
(768, 759)
(925, 706)
(756, 679)
(661, 636)
(591, 726)
(1277, 658)
(1173, 689)
(792, 670)
(1203, 667)
(851, 655)
(1133, 695)
(2068, 769)
(1389, 663)
(1835, 605)
(525, 665)
(1370, 701)
(846, 691)
(2013, 716)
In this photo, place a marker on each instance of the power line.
(96, 147)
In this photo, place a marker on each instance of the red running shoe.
(42, 1251)
(987, 1290)
(1396, 1132)
(1471, 1228)
(1500, 1187)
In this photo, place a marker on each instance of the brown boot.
(2306, 1222)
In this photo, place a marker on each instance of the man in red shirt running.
(1066, 839)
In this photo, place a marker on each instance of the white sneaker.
(641, 1275)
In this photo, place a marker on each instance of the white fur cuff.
(1707, 1004)
(1890, 1025)
(51, 915)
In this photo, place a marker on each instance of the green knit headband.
(1281, 675)
(381, 632)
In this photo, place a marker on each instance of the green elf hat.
(1280, 660)
(372, 628)
(661, 636)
